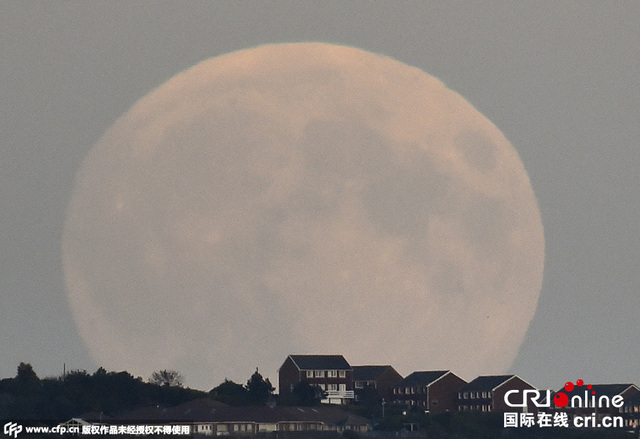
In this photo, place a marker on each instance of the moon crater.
(302, 198)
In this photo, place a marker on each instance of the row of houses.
(207, 417)
(435, 391)
(431, 391)
(442, 390)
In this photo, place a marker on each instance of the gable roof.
(487, 383)
(369, 373)
(633, 400)
(320, 362)
(423, 378)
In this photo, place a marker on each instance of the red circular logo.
(560, 399)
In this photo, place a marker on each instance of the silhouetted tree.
(259, 390)
(307, 395)
(171, 378)
(26, 374)
(111, 393)
(230, 393)
(369, 397)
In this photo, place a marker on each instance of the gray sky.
(561, 80)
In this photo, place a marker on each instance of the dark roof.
(633, 400)
(486, 383)
(320, 362)
(369, 373)
(609, 390)
(148, 413)
(327, 414)
(207, 410)
(94, 417)
(423, 378)
(195, 409)
(202, 408)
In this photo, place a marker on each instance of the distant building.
(331, 373)
(434, 391)
(486, 393)
(380, 378)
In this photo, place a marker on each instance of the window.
(360, 385)
(343, 387)
(332, 387)
(319, 374)
(332, 373)
(342, 373)
(465, 395)
(322, 386)
(309, 374)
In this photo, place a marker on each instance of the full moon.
(302, 198)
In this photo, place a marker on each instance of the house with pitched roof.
(380, 378)
(434, 391)
(486, 393)
(331, 373)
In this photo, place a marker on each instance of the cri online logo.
(561, 399)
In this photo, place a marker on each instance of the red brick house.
(486, 393)
(434, 391)
(380, 378)
(331, 373)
